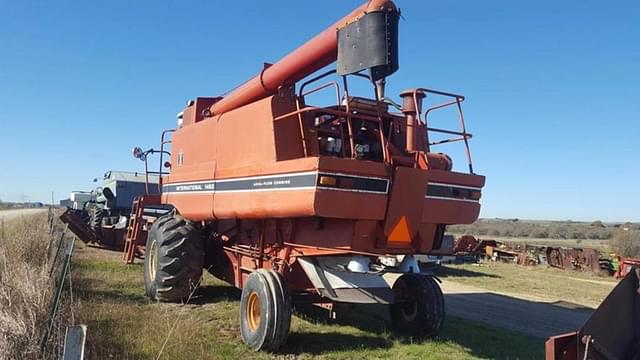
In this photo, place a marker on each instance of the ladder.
(136, 233)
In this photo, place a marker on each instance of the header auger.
(293, 202)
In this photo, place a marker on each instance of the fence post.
(51, 220)
(74, 341)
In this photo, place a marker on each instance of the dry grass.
(25, 286)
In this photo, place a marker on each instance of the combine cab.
(293, 202)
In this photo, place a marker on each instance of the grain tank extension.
(293, 202)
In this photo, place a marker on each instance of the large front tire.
(173, 260)
(419, 307)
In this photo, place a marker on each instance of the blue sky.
(552, 87)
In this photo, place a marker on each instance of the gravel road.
(12, 214)
(529, 316)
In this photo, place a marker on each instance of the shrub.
(539, 233)
(626, 243)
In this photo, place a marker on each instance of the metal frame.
(162, 152)
(462, 135)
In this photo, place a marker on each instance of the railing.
(145, 157)
(347, 115)
(457, 101)
(302, 94)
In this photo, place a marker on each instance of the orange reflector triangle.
(400, 232)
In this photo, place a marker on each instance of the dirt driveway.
(530, 316)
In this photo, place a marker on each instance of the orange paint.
(401, 233)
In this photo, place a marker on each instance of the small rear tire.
(173, 259)
(282, 308)
(419, 307)
(265, 311)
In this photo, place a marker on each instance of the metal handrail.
(312, 80)
(163, 142)
(347, 115)
(321, 87)
(458, 99)
(325, 110)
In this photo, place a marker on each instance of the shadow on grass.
(317, 343)
(370, 317)
(481, 340)
(451, 271)
(208, 294)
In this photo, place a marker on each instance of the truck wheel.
(419, 306)
(265, 311)
(173, 259)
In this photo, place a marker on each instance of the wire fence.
(62, 338)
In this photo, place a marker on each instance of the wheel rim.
(253, 311)
(409, 310)
(153, 260)
(409, 303)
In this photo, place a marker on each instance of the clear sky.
(552, 87)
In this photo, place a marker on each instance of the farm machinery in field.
(101, 216)
(297, 203)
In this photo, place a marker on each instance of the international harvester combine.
(329, 205)
(297, 203)
(293, 203)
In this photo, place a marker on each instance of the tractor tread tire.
(180, 258)
(97, 215)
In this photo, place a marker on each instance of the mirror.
(138, 153)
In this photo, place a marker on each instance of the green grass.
(123, 324)
(547, 283)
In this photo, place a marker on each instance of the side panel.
(263, 204)
(447, 199)
(405, 207)
(192, 159)
(349, 204)
(361, 191)
(245, 136)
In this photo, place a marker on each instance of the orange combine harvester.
(293, 202)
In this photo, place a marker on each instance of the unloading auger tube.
(315, 54)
